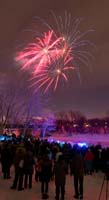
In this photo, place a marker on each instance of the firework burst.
(52, 55)
(41, 52)
(53, 74)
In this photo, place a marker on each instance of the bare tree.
(11, 102)
(70, 115)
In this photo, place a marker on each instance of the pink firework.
(53, 74)
(40, 53)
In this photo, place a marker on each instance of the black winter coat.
(46, 170)
(28, 163)
(60, 172)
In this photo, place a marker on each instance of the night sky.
(91, 96)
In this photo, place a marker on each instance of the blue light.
(2, 138)
(50, 140)
(62, 143)
(5, 138)
(82, 144)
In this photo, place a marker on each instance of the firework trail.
(73, 39)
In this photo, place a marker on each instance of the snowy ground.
(92, 186)
(88, 138)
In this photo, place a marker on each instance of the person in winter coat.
(28, 168)
(45, 174)
(38, 169)
(77, 169)
(60, 170)
(6, 161)
(89, 157)
(19, 172)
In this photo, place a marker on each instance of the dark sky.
(91, 96)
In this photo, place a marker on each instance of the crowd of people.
(47, 162)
